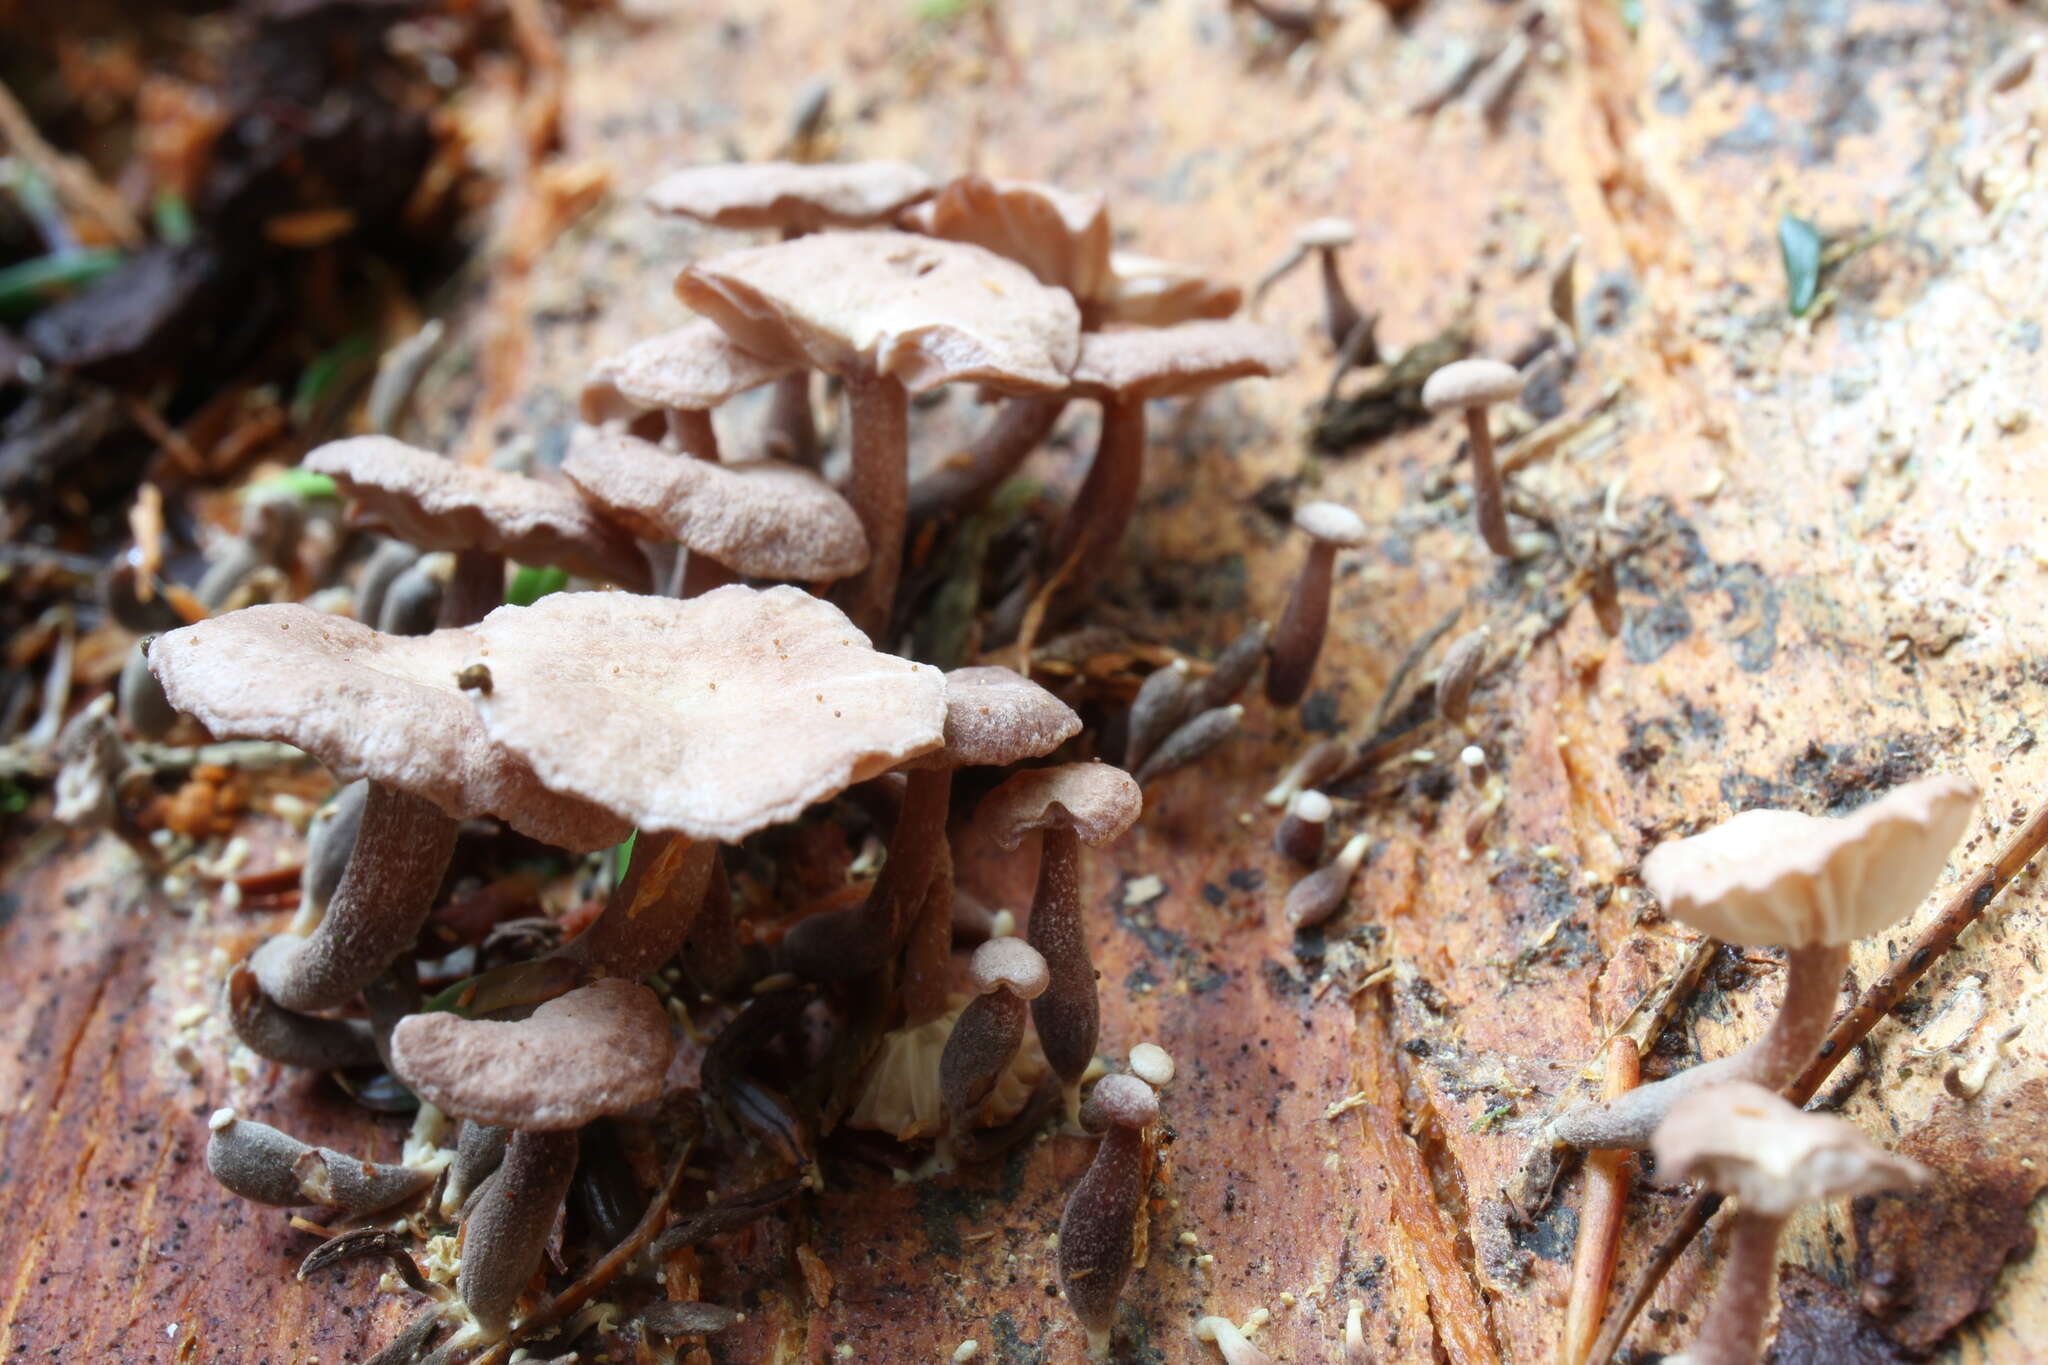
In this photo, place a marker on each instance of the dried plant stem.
(1964, 908)
(1607, 1181)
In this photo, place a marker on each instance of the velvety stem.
(693, 433)
(1095, 1232)
(984, 1040)
(963, 484)
(1095, 522)
(1489, 505)
(843, 944)
(385, 894)
(650, 911)
(1067, 1014)
(1299, 640)
(928, 956)
(792, 425)
(701, 574)
(479, 1149)
(303, 1040)
(508, 1225)
(878, 487)
(475, 590)
(1733, 1332)
(1340, 314)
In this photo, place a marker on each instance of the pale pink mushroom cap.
(1470, 383)
(1097, 801)
(1163, 362)
(692, 369)
(1779, 878)
(995, 717)
(1146, 292)
(712, 717)
(1009, 964)
(762, 518)
(790, 195)
(436, 503)
(1743, 1139)
(1060, 236)
(923, 311)
(368, 705)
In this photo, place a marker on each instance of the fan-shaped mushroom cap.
(791, 195)
(1745, 1140)
(996, 717)
(601, 1049)
(1331, 522)
(1147, 292)
(1061, 236)
(1161, 362)
(762, 518)
(438, 504)
(1097, 801)
(1776, 877)
(692, 369)
(384, 707)
(1009, 964)
(1124, 1101)
(923, 311)
(1468, 383)
(713, 717)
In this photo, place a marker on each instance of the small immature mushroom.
(1355, 1350)
(485, 516)
(1325, 237)
(1811, 885)
(893, 315)
(1298, 643)
(1233, 670)
(1459, 672)
(390, 559)
(1318, 763)
(260, 1163)
(1223, 1333)
(1163, 702)
(1317, 896)
(1152, 1064)
(273, 520)
(601, 1049)
(667, 386)
(412, 604)
(1190, 741)
(506, 1229)
(1743, 1140)
(1074, 803)
(302, 1040)
(1007, 974)
(376, 707)
(1301, 831)
(1098, 1230)
(761, 518)
(1470, 386)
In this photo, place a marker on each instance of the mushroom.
(390, 559)
(1123, 371)
(1099, 1226)
(1812, 885)
(1152, 1064)
(1317, 896)
(484, 516)
(258, 1162)
(1470, 386)
(479, 1148)
(1162, 703)
(377, 707)
(1190, 741)
(1301, 831)
(412, 604)
(1007, 974)
(1233, 670)
(1459, 672)
(1317, 764)
(1298, 642)
(1355, 1350)
(1223, 1334)
(1061, 236)
(761, 518)
(892, 314)
(294, 1039)
(1075, 803)
(667, 385)
(510, 1217)
(1743, 1140)
(1325, 237)
(1146, 292)
(601, 1049)
(747, 707)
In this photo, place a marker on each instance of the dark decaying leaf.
(736, 1212)
(394, 1247)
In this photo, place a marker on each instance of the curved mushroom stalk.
(390, 559)
(1094, 526)
(712, 952)
(508, 1225)
(385, 894)
(301, 1040)
(841, 945)
(258, 1162)
(1298, 643)
(1222, 1333)
(330, 842)
(143, 705)
(963, 484)
(1100, 1223)
(479, 1149)
(412, 604)
(1008, 975)
(649, 914)
(878, 486)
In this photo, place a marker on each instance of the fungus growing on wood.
(1007, 975)
(1318, 896)
(1317, 764)
(1742, 1139)
(1061, 236)
(1190, 741)
(1459, 672)
(1301, 831)
(893, 315)
(1222, 1333)
(1811, 885)
(375, 707)
(484, 516)
(258, 1162)
(1075, 803)
(1162, 703)
(1099, 1226)
(1298, 643)
(1471, 387)
(330, 842)
(1152, 1064)
(1233, 670)
(666, 386)
(294, 1039)
(1325, 238)
(505, 1231)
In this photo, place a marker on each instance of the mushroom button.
(1321, 893)
(1007, 974)
(258, 1162)
(1811, 885)
(1471, 386)
(1099, 1226)
(1300, 835)
(1222, 1333)
(1299, 641)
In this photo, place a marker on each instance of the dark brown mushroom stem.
(961, 485)
(258, 1162)
(841, 945)
(712, 952)
(401, 853)
(479, 1148)
(1298, 643)
(476, 589)
(1094, 525)
(1233, 670)
(878, 487)
(413, 601)
(1301, 832)
(792, 424)
(1489, 502)
(508, 1224)
(1340, 314)
(928, 955)
(649, 913)
(1068, 1015)
(302, 1040)
(1190, 741)
(1164, 700)
(1813, 985)
(391, 997)
(1733, 1331)
(330, 842)
(1096, 1230)
(390, 559)
(693, 433)
(985, 1038)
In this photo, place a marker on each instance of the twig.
(1607, 1180)
(1408, 663)
(1964, 908)
(73, 179)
